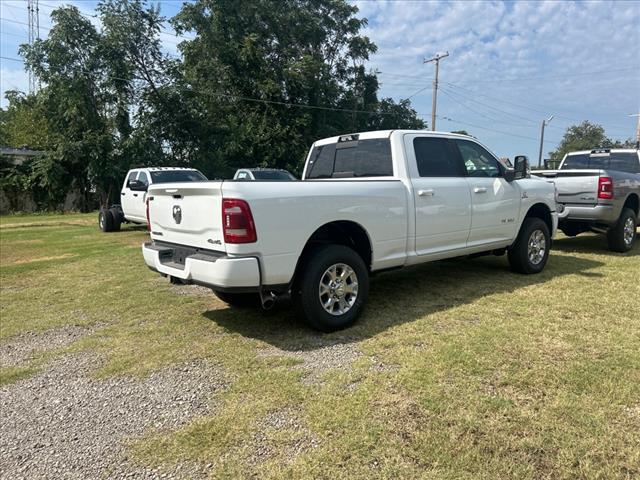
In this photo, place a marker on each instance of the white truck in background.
(367, 202)
(133, 196)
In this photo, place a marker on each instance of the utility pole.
(544, 124)
(33, 11)
(436, 59)
(637, 115)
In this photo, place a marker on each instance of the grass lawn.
(457, 369)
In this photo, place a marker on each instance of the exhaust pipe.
(268, 301)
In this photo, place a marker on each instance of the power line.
(552, 77)
(12, 59)
(518, 104)
(492, 129)
(493, 119)
(504, 112)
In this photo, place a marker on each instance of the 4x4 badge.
(177, 213)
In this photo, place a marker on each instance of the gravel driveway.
(61, 423)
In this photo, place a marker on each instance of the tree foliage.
(257, 84)
(585, 136)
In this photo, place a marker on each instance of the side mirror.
(520, 167)
(138, 186)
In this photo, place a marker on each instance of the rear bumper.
(601, 214)
(209, 269)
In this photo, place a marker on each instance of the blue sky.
(511, 64)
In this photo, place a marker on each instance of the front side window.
(142, 178)
(436, 158)
(360, 158)
(477, 160)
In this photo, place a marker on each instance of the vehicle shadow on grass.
(399, 297)
(592, 243)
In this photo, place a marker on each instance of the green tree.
(265, 79)
(586, 136)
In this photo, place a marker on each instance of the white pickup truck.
(133, 196)
(367, 202)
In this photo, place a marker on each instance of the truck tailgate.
(574, 186)
(187, 214)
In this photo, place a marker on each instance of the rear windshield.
(272, 175)
(363, 158)
(170, 176)
(622, 161)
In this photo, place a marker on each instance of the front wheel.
(622, 235)
(333, 288)
(530, 251)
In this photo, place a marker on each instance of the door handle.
(135, 194)
(426, 193)
(479, 190)
(122, 193)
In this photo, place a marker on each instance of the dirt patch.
(43, 259)
(285, 428)
(337, 356)
(62, 423)
(26, 346)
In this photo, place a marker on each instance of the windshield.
(623, 161)
(272, 175)
(171, 176)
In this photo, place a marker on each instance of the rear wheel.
(240, 300)
(530, 251)
(622, 235)
(332, 288)
(105, 220)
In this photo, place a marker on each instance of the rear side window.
(625, 162)
(363, 158)
(435, 158)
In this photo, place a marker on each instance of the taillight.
(148, 219)
(605, 188)
(237, 222)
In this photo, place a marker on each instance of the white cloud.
(524, 52)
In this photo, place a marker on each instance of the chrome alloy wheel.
(338, 289)
(536, 247)
(629, 231)
(101, 220)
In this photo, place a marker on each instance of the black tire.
(240, 300)
(618, 239)
(105, 220)
(519, 254)
(307, 297)
(117, 219)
